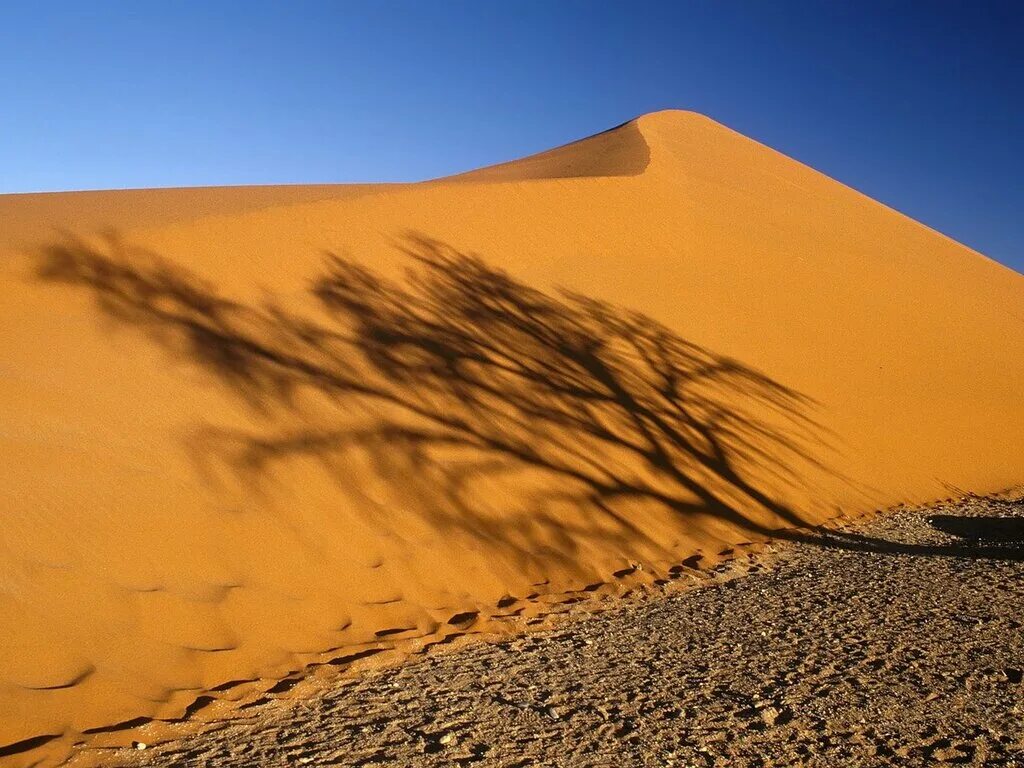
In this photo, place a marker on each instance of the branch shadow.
(487, 406)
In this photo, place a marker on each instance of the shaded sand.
(903, 651)
(230, 454)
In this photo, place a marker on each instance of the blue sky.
(920, 105)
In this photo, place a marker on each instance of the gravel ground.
(899, 644)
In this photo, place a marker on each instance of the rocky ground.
(897, 645)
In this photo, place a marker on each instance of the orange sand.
(198, 490)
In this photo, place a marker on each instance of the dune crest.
(619, 151)
(251, 431)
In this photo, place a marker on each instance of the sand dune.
(251, 429)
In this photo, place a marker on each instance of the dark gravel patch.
(899, 644)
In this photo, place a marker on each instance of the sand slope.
(246, 429)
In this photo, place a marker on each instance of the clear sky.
(919, 105)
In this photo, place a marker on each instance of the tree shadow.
(533, 421)
(967, 537)
(1007, 530)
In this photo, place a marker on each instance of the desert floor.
(896, 643)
